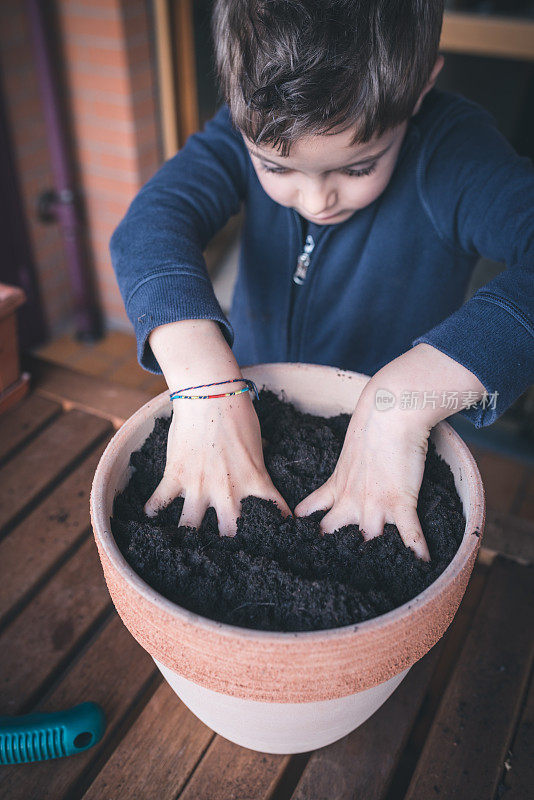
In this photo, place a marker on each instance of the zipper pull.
(303, 261)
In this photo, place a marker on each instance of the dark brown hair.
(292, 68)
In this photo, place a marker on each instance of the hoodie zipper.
(298, 278)
(303, 261)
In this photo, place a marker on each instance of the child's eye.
(270, 169)
(355, 173)
(359, 173)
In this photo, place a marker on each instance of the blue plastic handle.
(37, 737)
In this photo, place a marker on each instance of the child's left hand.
(377, 477)
(380, 468)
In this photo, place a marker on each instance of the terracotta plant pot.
(272, 691)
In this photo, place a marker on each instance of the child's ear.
(431, 81)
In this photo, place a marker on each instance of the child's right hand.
(214, 458)
(214, 450)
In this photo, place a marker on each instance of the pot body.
(280, 728)
(274, 691)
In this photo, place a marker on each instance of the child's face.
(324, 178)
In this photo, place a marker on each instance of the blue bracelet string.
(250, 386)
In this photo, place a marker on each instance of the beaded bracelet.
(251, 386)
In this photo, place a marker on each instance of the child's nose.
(316, 199)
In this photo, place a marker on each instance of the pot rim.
(102, 531)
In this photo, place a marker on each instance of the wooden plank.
(15, 393)
(49, 630)
(116, 345)
(502, 478)
(32, 549)
(453, 642)
(175, 740)
(34, 469)
(115, 672)
(130, 373)
(9, 352)
(63, 349)
(20, 423)
(166, 89)
(91, 362)
(518, 772)
(186, 79)
(155, 385)
(94, 395)
(486, 557)
(472, 729)
(488, 35)
(510, 536)
(526, 509)
(228, 771)
(363, 763)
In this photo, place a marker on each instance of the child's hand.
(377, 477)
(214, 458)
(380, 468)
(214, 452)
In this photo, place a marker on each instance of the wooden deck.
(459, 726)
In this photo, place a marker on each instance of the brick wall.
(111, 93)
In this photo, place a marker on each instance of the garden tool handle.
(38, 736)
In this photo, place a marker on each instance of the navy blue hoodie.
(392, 275)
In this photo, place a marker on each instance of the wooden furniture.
(477, 34)
(13, 385)
(177, 80)
(458, 726)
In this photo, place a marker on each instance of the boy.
(369, 196)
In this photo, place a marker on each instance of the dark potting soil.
(282, 574)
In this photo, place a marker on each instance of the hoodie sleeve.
(157, 249)
(479, 195)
